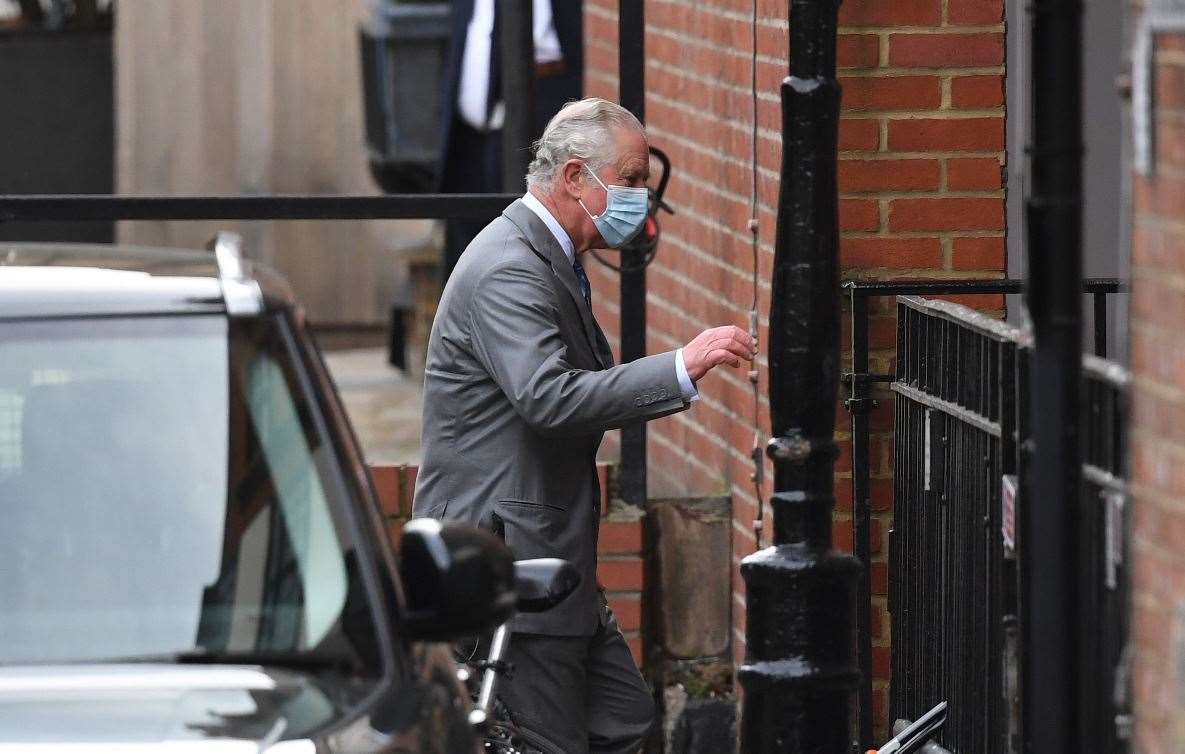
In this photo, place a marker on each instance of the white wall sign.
(1008, 512)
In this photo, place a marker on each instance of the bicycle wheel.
(505, 736)
(536, 743)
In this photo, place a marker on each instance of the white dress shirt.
(686, 386)
(475, 62)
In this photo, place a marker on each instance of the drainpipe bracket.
(796, 447)
(860, 406)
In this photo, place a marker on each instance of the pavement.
(384, 405)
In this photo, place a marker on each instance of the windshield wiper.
(301, 660)
(294, 660)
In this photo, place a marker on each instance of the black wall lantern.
(403, 47)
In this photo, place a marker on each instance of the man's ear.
(573, 176)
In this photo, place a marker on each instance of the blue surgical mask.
(624, 215)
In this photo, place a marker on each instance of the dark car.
(191, 556)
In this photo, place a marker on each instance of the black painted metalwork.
(518, 90)
(1053, 560)
(946, 560)
(860, 407)
(403, 47)
(1100, 325)
(962, 436)
(799, 675)
(861, 403)
(631, 65)
(972, 286)
(1105, 587)
(67, 208)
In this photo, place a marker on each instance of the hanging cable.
(758, 474)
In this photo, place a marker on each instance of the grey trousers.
(584, 694)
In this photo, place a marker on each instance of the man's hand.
(720, 345)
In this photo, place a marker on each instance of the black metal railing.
(961, 456)
(860, 403)
(1103, 611)
(946, 567)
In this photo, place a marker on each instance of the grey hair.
(581, 130)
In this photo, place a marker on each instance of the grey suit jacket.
(519, 389)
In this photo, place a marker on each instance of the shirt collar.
(557, 230)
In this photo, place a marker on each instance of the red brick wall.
(620, 546)
(1158, 419)
(922, 142)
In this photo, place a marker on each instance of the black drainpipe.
(800, 674)
(1051, 556)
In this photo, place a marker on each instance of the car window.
(298, 488)
(164, 488)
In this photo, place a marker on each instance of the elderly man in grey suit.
(519, 388)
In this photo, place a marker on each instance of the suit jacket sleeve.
(514, 335)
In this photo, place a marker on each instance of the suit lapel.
(546, 245)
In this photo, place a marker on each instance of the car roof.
(61, 280)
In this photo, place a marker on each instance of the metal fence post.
(799, 675)
(518, 90)
(1100, 324)
(860, 405)
(1051, 555)
(631, 64)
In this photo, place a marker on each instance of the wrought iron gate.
(960, 454)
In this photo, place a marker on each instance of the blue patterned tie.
(582, 278)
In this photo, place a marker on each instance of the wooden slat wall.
(221, 96)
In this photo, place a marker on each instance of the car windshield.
(165, 489)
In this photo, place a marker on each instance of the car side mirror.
(459, 580)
